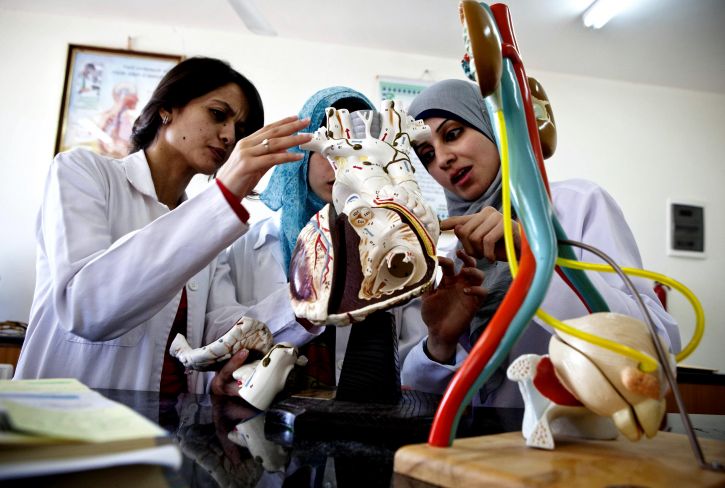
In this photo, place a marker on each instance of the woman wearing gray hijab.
(462, 157)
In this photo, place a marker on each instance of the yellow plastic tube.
(646, 362)
(696, 305)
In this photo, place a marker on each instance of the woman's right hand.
(481, 234)
(251, 157)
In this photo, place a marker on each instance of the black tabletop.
(314, 443)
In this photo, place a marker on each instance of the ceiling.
(674, 43)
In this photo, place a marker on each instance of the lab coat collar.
(268, 231)
(138, 174)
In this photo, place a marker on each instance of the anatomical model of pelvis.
(261, 380)
(374, 247)
(583, 390)
(250, 434)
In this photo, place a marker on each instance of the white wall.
(642, 143)
(646, 144)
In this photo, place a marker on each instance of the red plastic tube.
(509, 49)
(465, 378)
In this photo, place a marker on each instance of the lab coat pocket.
(129, 339)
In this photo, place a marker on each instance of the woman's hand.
(481, 234)
(226, 413)
(256, 154)
(223, 382)
(447, 311)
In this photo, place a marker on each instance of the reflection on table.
(227, 443)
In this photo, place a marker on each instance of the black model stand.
(368, 404)
(370, 373)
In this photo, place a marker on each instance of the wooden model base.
(503, 460)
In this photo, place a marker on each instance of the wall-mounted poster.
(104, 91)
(406, 90)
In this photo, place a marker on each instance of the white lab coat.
(257, 269)
(588, 214)
(111, 264)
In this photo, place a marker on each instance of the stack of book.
(54, 426)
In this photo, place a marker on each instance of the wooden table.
(503, 460)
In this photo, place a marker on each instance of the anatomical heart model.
(375, 246)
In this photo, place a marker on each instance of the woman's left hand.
(256, 154)
(223, 382)
(481, 234)
(448, 309)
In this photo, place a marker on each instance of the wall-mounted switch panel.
(685, 228)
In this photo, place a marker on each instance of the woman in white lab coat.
(260, 259)
(126, 261)
(462, 156)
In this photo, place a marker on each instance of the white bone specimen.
(250, 434)
(247, 333)
(261, 380)
(268, 376)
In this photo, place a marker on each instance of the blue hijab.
(288, 188)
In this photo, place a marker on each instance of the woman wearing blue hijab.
(290, 188)
(260, 259)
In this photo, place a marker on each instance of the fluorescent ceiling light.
(601, 11)
(252, 17)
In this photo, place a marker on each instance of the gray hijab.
(461, 100)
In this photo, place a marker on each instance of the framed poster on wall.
(405, 90)
(103, 93)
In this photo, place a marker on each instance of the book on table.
(52, 426)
